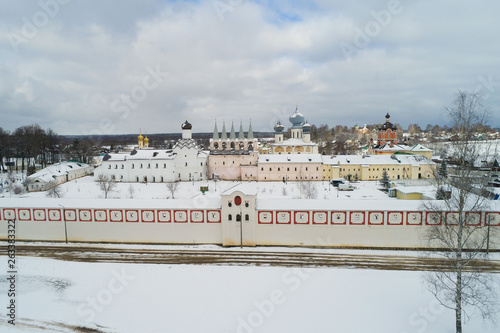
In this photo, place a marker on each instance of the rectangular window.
(123, 166)
(132, 165)
(157, 165)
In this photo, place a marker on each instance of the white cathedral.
(300, 137)
(184, 162)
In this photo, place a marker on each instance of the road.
(261, 257)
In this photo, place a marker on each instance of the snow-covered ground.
(58, 296)
(87, 188)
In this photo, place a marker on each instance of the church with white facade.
(184, 162)
(300, 137)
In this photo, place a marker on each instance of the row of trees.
(32, 145)
(29, 144)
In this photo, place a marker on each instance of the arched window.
(229, 217)
(238, 218)
(247, 217)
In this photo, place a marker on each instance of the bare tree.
(308, 189)
(106, 184)
(172, 187)
(457, 226)
(131, 191)
(54, 191)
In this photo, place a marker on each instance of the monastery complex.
(295, 158)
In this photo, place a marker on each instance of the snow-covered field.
(87, 188)
(58, 296)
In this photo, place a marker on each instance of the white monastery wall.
(273, 222)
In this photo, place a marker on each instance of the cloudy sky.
(94, 67)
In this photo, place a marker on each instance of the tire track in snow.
(242, 258)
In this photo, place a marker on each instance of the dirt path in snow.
(241, 258)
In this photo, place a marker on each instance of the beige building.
(233, 166)
(362, 167)
(290, 167)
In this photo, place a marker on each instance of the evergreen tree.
(443, 170)
(385, 179)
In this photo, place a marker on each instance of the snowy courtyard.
(63, 296)
(87, 188)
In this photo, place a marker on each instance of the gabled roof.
(142, 154)
(376, 160)
(59, 169)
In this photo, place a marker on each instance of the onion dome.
(297, 119)
(140, 137)
(186, 125)
(279, 128)
(146, 140)
(387, 125)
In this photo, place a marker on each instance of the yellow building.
(408, 194)
(358, 167)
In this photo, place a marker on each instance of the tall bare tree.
(106, 184)
(457, 221)
(172, 187)
(53, 191)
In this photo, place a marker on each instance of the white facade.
(237, 218)
(300, 137)
(58, 173)
(185, 162)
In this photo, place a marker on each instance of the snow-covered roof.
(141, 154)
(341, 205)
(290, 158)
(419, 147)
(208, 203)
(430, 190)
(59, 169)
(294, 142)
(393, 147)
(376, 159)
(245, 188)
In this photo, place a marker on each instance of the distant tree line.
(30, 146)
